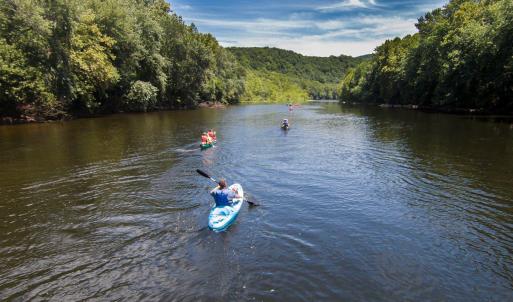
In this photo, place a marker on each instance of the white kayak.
(221, 218)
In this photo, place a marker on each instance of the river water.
(356, 204)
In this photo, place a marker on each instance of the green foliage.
(93, 56)
(20, 83)
(461, 58)
(227, 84)
(320, 69)
(317, 77)
(24, 47)
(91, 62)
(141, 96)
(354, 85)
(268, 86)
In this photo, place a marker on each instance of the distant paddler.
(212, 135)
(285, 124)
(205, 139)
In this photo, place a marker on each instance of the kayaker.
(285, 123)
(212, 134)
(205, 139)
(222, 195)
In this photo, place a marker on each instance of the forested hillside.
(461, 57)
(82, 57)
(291, 75)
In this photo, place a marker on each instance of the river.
(355, 204)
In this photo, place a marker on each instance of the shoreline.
(25, 119)
(480, 113)
(212, 105)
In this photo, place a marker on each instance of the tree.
(91, 61)
(460, 58)
(141, 96)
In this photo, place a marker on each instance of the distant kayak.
(285, 127)
(221, 218)
(206, 146)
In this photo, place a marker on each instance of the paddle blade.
(202, 173)
(251, 203)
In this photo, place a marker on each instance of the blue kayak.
(221, 218)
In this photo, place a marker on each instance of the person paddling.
(223, 195)
(212, 134)
(285, 123)
(205, 139)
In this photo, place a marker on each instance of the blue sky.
(319, 28)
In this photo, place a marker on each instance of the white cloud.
(355, 35)
(330, 24)
(257, 24)
(310, 45)
(180, 6)
(361, 23)
(371, 27)
(367, 33)
(427, 7)
(348, 5)
(272, 25)
(391, 26)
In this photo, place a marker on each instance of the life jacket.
(212, 135)
(204, 139)
(223, 197)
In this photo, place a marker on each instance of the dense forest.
(82, 57)
(461, 58)
(280, 75)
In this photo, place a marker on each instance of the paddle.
(205, 175)
(202, 173)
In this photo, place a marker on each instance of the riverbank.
(275, 102)
(212, 105)
(29, 119)
(16, 121)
